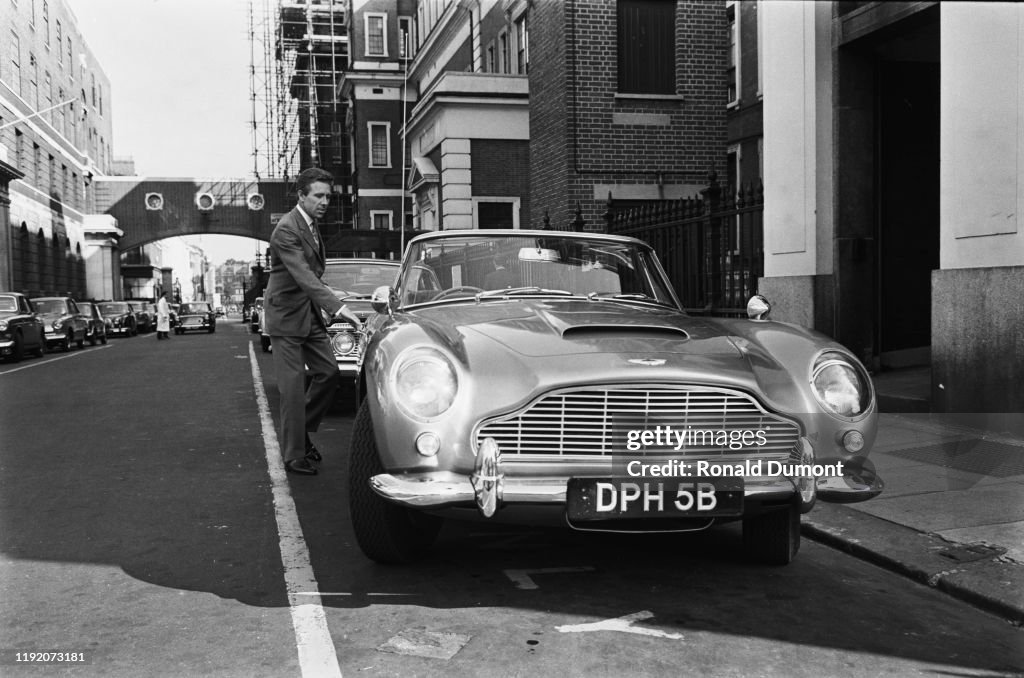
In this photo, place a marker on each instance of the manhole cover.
(974, 455)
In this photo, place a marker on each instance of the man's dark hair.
(310, 176)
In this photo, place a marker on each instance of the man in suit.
(292, 302)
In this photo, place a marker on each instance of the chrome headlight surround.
(343, 342)
(56, 325)
(3, 325)
(841, 386)
(424, 383)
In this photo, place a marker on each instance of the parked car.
(255, 313)
(219, 311)
(97, 324)
(354, 281)
(121, 317)
(173, 314)
(21, 329)
(145, 315)
(196, 315)
(584, 394)
(63, 322)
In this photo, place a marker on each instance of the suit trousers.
(302, 406)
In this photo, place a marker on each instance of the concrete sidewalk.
(951, 515)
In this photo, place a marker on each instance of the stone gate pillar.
(8, 173)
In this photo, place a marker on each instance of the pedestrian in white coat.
(163, 318)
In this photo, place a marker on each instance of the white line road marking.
(522, 579)
(313, 639)
(621, 624)
(325, 594)
(53, 360)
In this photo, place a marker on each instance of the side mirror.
(758, 308)
(381, 299)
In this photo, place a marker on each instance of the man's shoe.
(300, 466)
(312, 453)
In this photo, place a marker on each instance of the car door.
(78, 320)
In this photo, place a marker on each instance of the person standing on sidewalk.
(163, 318)
(292, 303)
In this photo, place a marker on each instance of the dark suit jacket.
(295, 293)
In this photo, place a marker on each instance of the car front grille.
(596, 421)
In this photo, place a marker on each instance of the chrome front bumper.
(489, 487)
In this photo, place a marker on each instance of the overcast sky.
(179, 80)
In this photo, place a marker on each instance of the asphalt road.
(143, 526)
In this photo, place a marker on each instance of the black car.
(196, 315)
(20, 328)
(120, 316)
(145, 314)
(97, 323)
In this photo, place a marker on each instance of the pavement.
(952, 512)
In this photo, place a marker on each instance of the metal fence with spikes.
(712, 247)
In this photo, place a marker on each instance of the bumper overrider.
(490, 486)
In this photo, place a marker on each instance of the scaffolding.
(298, 50)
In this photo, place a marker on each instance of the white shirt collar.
(309, 219)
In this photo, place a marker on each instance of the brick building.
(55, 129)
(516, 110)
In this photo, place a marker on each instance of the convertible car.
(548, 377)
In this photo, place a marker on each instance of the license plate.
(614, 498)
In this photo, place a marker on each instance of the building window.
(46, 24)
(522, 42)
(380, 144)
(71, 61)
(496, 212)
(37, 165)
(33, 81)
(380, 220)
(15, 54)
(48, 93)
(646, 46)
(503, 65)
(489, 66)
(60, 43)
(93, 76)
(405, 38)
(732, 59)
(376, 34)
(32, 14)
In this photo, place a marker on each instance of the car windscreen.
(358, 278)
(8, 304)
(50, 306)
(114, 309)
(464, 266)
(193, 308)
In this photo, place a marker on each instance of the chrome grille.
(594, 422)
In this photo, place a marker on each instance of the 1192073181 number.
(44, 657)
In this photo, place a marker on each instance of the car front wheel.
(773, 538)
(386, 533)
(18, 350)
(265, 343)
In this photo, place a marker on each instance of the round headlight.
(425, 383)
(343, 343)
(56, 324)
(839, 386)
(3, 325)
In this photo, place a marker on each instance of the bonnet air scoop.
(624, 331)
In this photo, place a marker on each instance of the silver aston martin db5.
(539, 377)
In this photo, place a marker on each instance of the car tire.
(265, 343)
(80, 343)
(41, 349)
(134, 332)
(18, 350)
(103, 338)
(773, 538)
(66, 344)
(211, 330)
(92, 338)
(385, 532)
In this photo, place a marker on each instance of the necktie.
(312, 230)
